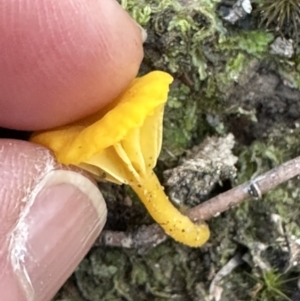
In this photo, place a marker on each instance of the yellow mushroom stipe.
(178, 226)
(121, 144)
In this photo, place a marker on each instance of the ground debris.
(282, 47)
(143, 239)
(205, 166)
(239, 11)
(216, 289)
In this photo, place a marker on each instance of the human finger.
(63, 60)
(49, 217)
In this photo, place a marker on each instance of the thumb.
(49, 218)
(63, 60)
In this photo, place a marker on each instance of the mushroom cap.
(82, 140)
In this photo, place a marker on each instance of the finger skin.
(62, 60)
(47, 225)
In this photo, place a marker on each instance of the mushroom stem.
(174, 223)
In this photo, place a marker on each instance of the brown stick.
(253, 188)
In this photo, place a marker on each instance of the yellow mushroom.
(121, 144)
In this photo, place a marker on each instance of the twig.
(216, 288)
(253, 188)
(150, 236)
(143, 239)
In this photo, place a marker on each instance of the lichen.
(289, 69)
(205, 166)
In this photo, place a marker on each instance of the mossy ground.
(226, 81)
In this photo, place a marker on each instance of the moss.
(115, 274)
(239, 50)
(177, 28)
(180, 122)
(182, 39)
(289, 70)
(252, 42)
(140, 11)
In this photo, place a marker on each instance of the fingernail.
(61, 220)
(143, 31)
